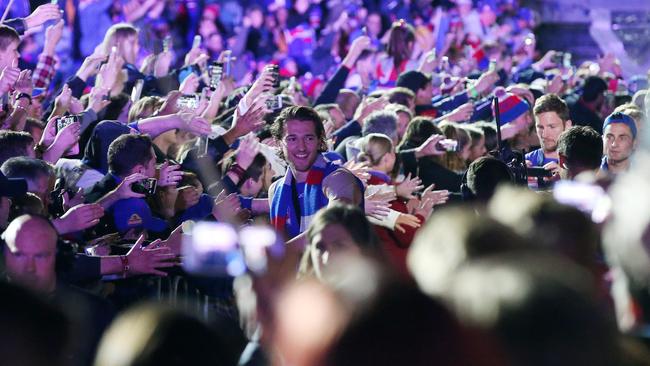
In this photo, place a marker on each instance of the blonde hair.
(116, 34)
(633, 111)
(455, 132)
(373, 147)
(138, 109)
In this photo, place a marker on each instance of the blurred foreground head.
(547, 224)
(336, 230)
(626, 239)
(149, 335)
(541, 308)
(32, 332)
(358, 315)
(451, 238)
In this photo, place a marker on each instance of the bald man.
(30, 253)
(30, 261)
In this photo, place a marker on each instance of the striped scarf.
(283, 216)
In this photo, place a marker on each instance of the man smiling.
(311, 182)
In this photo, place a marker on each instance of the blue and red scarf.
(308, 199)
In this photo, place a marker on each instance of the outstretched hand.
(408, 186)
(149, 260)
(377, 205)
(404, 220)
(42, 14)
(78, 218)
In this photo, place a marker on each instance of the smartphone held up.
(216, 249)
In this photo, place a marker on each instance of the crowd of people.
(316, 183)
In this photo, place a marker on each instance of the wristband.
(238, 171)
(246, 202)
(473, 93)
(134, 125)
(125, 265)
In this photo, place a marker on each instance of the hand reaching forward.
(408, 186)
(169, 175)
(377, 205)
(226, 207)
(149, 260)
(359, 169)
(404, 220)
(78, 218)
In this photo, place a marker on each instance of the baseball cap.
(619, 117)
(511, 106)
(12, 187)
(413, 80)
(135, 213)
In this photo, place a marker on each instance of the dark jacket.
(581, 115)
(433, 173)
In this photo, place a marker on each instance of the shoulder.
(532, 154)
(273, 187)
(535, 156)
(342, 185)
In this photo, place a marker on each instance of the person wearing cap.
(514, 113)
(130, 159)
(584, 110)
(619, 143)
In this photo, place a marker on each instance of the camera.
(196, 43)
(275, 71)
(216, 74)
(62, 122)
(188, 102)
(137, 90)
(587, 197)
(166, 45)
(274, 103)
(444, 64)
(217, 249)
(448, 145)
(145, 186)
(515, 160)
(202, 146)
(558, 59)
(520, 172)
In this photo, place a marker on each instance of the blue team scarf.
(283, 209)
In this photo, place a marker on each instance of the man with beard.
(312, 182)
(551, 119)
